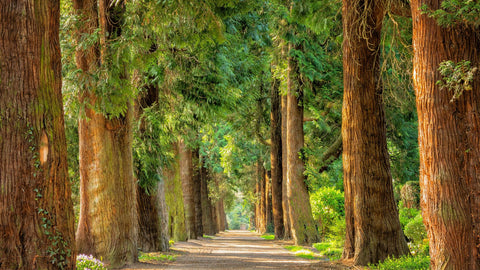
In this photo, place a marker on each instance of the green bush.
(88, 262)
(415, 231)
(405, 262)
(327, 208)
(406, 214)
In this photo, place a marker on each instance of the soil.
(236, 250)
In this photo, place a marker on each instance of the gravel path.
(236, 250)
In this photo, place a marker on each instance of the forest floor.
(235, 250)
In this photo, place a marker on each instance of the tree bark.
(261, 199)
(173, 191)
(449, 140)
(303, 227)
(286, 209)
(269, 227)
(207, 219)
(186, 176)
(36, 212)
(373, 229)
(106, 224)
(276, 159)
(197, 184)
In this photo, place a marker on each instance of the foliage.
(406, 214)
(405, 262)
(327, 207)
(457, 77)
(155, 256)
(415, 231)
(88, 262)
(452, 12)
(238, 215)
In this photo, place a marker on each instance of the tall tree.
(285, 205)
(276, 159)
(303, 227)
(373, 229)
(186, 176)
(107, 226)
(36, 213)
(449, 137)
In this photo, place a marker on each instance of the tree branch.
(331, 154)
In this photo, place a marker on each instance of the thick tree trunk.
(221, 217)
(303, 227)
(152, 219)
(197, 184)
(207, 219)
(186, 176)
(269, 227)
(286, 209)
(173, 191)
(373, 229)
(36, 212)
(107, 226)
(449, 142)
(276, 159)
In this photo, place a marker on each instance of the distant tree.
(36, 213)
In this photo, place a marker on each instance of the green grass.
(268, 236)
(155, 257)
(303, 253)
(208, 236)
(329, 249)
(406, 262)
(170, 243)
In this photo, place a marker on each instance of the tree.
(373, 229)
(276, 159)
(448, 134)
(186, 176)
(303, 226)
(36, 213)
(107, 226)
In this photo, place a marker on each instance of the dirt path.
(236, 250)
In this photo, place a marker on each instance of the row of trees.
(146, 79)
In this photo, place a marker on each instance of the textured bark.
(449, 140)
(261, 199)
(207, 218)
(173, 193)
(276, 159)
(152, 219)
(268, 203)
(197, 184)
(221, 217)
(303, 227)
(373, 229)
(286, 209)
(107, 226)
(186, 176)
(35, 204)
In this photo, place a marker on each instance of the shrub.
(415, 231)
(327, 208)
(405, 262)
(88, 262)
(406, 214)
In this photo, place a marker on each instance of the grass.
(419, 262)
(208, 236)
(268, 236)
(303, 253)
(329, 249)
(156, 257)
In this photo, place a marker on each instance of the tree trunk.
(286, 209)
(207, 219)
(152, 219)
(449, 142)
(197, 184)
(373, 229)
(106, 224)
(36, 212)
(221, 217)
(186, 176)
(261, 199)
(276, 159)
(268, 204)
(303, 227)
(173, 191)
